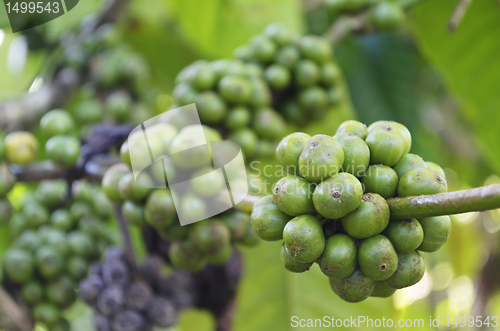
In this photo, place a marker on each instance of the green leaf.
(270, 296)
(215, 28)
(468, 59)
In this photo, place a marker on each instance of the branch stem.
(127, 241)
(458, 202)
(476, 199)
(458, 14)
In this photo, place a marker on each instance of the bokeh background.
(444, 86)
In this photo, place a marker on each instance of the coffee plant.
(331, 208)
(357, 203)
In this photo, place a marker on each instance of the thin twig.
(127, 241)
(458, 14)
(13, 317)
(309, 5)
(344, 26)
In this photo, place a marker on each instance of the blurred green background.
(444, 86)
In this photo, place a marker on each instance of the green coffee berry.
(377, 257)
(315, 48)
(337, 196)
(247, 139)
(386, 15)
(32, 292)
(133, 213)
(238, 117)
(279, 34)
(371, 217)
(356, 153)
(386, 146)
(277, 76)
(46, 313)
(6, 210)
(261, 95)
(313, 98)
(354, 127)
(382, 290)
(321, 158)
(56, 122)
(339, 257)
(403, 130)
(184, 94)
(289, 150)
(193, 207)
(207, 183)
(382, 180)
(184, 255)
(235, 89)
(421, 182)
(408, 162)
(7, 180)
(210, 236)
(49, 262)
(410, 271)
(330, 73)
(287, 56)
(436, 232)
(307, 73)
(355, 288)
(268, 221)
(292, 265)
(268, 123)
(436, 169)
(111, 179)
(263, 48)
(304, 239)
(293, 196)
(405, 235)
(220, 257)
(237, 223)
(204, 78)
(63, 150)
(134, 189)
(211, 107)
(18, 265)
(174, 232)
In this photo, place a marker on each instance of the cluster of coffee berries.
(304, 80)
(331, 208)
(382, 14)
(117, 86)
(54, 242)
(125, 298)
(276, 75)
(147, 200)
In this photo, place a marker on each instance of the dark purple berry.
(128, 320)
(115, 273)
(162, 312)
(110, 301)
(90, 289)
(151, 268)
(138, 296)
(95, 269)
(113, 254)
(101, 323)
